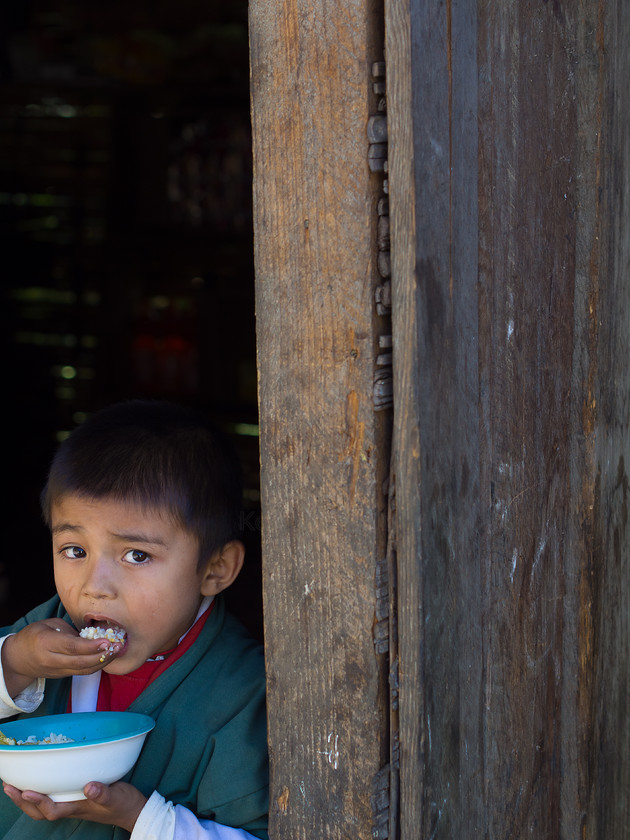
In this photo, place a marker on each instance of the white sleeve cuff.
(26, 701)
(188, 827)
(156, 820)
(160, 820)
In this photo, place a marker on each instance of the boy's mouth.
(102, 621)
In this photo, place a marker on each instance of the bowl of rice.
(58, 755)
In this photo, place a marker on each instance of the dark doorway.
(125, 240)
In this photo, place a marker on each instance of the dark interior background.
(125, 241)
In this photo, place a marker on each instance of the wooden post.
(509, 170)
(323, 452)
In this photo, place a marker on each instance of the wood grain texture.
(605, 572)
(323, 452)
(508, 168)
(406, 452)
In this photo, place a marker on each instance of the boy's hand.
(50, 649)
(118, 804)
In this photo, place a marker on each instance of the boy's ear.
(223, 568)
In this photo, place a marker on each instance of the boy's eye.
(74, 552)
(135, 556)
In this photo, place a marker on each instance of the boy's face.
(119, 563)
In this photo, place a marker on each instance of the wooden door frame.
(324, 425)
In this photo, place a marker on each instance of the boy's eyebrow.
(136, 536)
(65, 526)
(152, 539)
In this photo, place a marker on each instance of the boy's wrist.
(132, 811)
(131, 817)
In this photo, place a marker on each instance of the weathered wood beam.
(324, 453)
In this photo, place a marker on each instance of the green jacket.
(208, 751)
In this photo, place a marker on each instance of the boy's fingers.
(60, 626)
(84, 664)
(43, 808)
(24, 803)
(76, 646)
(71, 644)
(73, 658)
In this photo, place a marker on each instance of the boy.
(143, 502)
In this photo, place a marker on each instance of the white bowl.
(104, 748)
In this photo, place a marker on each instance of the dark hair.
(159, 455)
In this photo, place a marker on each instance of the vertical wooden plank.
(529, 167)
(586, 558)
(606, 574)
(508, 169)
(323, 458)
(406, 442)
(433, 207)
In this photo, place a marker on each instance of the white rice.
(32, 741)
(49, 739)
(115, 635)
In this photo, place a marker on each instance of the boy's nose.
(99, 581)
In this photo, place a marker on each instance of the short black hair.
(157, 454)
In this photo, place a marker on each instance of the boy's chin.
(120, 667)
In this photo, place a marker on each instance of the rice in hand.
(114, 635)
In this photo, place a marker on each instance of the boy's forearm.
(15, 681)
